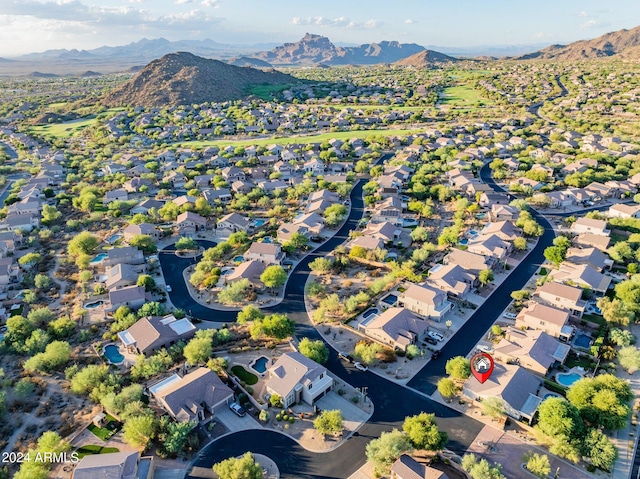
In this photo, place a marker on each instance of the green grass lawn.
(62, 130)
(104, 433)
(463, 96)
(91, 449)
(594, 318)
(244, 375)
(282, 140)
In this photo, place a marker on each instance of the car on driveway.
(360, 366)
(435, 335)
(239, 410)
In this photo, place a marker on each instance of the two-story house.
(296, 378)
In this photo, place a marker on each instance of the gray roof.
(153, 332)
(119, 465)
(407, 467)
(292, 369)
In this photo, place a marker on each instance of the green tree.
(629, 359)
(321, 265)
(82, 243)
(485, 276)
(185, 243)
(54, 356)
(42, 282)
(420, 233)
(198, 350)
(277, 326)
(599, 449)
(62, 327)
(458, 368)
(315, 350)
(144, 243)
(481, 469)
(614, 311)
(537, 464)
(493, 407)
(50, 215)
(423, 432)
(30, 259)
(447, 388)
(520, 243)
(560, 424)
(244, 467)
(603, 401)
(629, 293)
(174, 435)
(386, 450)
(235, 292)
(298, 241)
(555, 254)
(367, 352)
(329, 422)
(138, 431)
(147, 281)
(273, 276)
(249, 313)
(621, 337)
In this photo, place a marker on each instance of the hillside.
(315, 49)
(425, 59)
(623, 44)
(249, 62)
(183, 78)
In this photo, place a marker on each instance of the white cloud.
(541, 35)
(339, 22)
(583, 14)
(410, 21)
(590, 24)
(210, 3)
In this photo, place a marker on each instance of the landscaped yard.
(244, 375)
(91, 449)
(594, 318)
(463, 96)
(110, 428)
(573, 360)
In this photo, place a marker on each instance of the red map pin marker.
(482, 366)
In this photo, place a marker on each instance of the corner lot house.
(118, 465)
(268, 253)
(407, 467)
(193, 397)
(590, 225)
(624, 211)
(551, 320)
(152, 333)
(426, 301)
(296, 378)
(396, 327)
(533, 350)
(517, 387)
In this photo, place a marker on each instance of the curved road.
(392, 401)
(535, 108)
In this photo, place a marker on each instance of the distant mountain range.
(425, 59)
(316, 49)
(623, 44)
(183, 79)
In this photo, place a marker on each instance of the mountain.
(249, 62)
(183, 78)
(314, 49)
(623, 44)
(425, 59)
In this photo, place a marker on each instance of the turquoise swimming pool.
(99, 258)
(567, 379)
(112, 353)
(260, 364)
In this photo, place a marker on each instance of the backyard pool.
(267, 239)
(370, 312)
(99, 258)
(258, 223)
(238, 259)
(473, 233)
(114, 238)
(464, 241)
(260, 364)
(390, 299)
(582, 341)
(94, 304)
(112, 353)
(567, 379)
(550, 395)
(481, 215)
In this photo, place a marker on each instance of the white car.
(168, 288)
(360, 366)
(509, 315)
(435, 335)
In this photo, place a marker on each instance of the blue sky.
(37, 25)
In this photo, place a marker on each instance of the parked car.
(239, 410)
(430, 341)
(509, 315)
(168, 288)
(435, 354)
(345, 356)
(435, 335)
(360, 366)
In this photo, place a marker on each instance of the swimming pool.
(473, 233)
(94, 304)
(114, 238)
(259, 223)
(267, 239)
(481, 215)
(369, 312)
(260, 364)
(463, 241)
(99, 258)
(567, 379)
(550, 395)
(112, 353)
(390, 299)
(238, 259)
(582, 341)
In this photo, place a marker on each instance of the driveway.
(235, 423)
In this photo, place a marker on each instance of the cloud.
(542, 35)
(339, 22)
(583, 14)
(410, 21)
(592, 24)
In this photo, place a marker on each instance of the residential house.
(582, 275)
(116, 465)
(268, 253)
(367, 242)
(426, 301)
(250, 270)
(562, 296)
(20, 222)
(152, 333)
(533, 350)
(624, 211)
(119, 194)
(185, 200)
(491, 199)
(132, 296)
(516, 386)
(407, 467)
(388, 210)
(145, 205)
(561, 199)
(490, 246)
(470, 262)
(590, 225)
(242, 186)
(505, 230)
(504, 213)
(9, 272)
(196, 396)
(232, 173)
(122, 275)
(296, 378)
(314, 166)
(387, 232)
(397, 328)
(591, 256)
(313, 222)
(142, 229)
(234, 222)
(451, 278)
(189, 223)
(223, 195)
(590, 239)
(287, 230)
(127, 254)
(546, 318)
